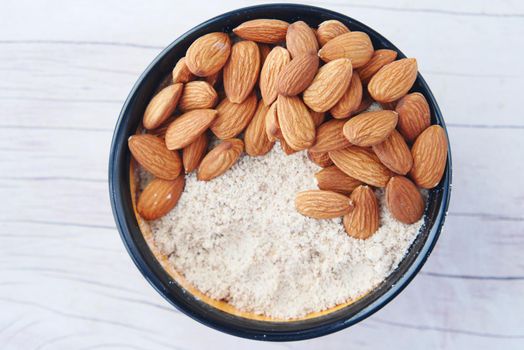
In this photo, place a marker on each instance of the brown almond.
(361, 164)
(296, 124)
(430, 153)
(330, 137)
(241, 71)
(330, 29)
(269, 31)
(355, 46)
(285, 147)
(394, 80)
(318, 117)
(208, 54)
(370, 128)
(220, 159)
(301, 39)
(194, 152)
(320, 204)
(404, 200)
(151, 153)
(394, 153)
(197, 95)
(232, 117)
(188, 127)
(181, 72)
(379, 59)
(413, 115)
(277, 59)
(363, 220)
(255, 137)
(350, 101)
(321, 159)
(272, 128)
(298, 74)
(334, 179)
(162, 106)
(159, 197)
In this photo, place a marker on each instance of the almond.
(365, 103)
(379, 59)
(162, 106)
(370, 128)
(430, 152)
(151, 153)
(220, 159)
(264, 52)
(272, 128)
(350, 101)
(269, 75)
(255, 137)
(361, 164)
(330, 29)
(188, 127)
(301, 39)
(363, 220)
(269, 31)
(233, 117)
(404, 200)
(159, 197)
(355, 46)
(208, 54)
(330, 137)
(241, 71)
(334, 179)
(320, 204)
(318, 117)
(394, 153)
(214, 79)
(390, 106)
(328, 86)
(197, 95)
(181, 72)
(295, 122)
(413, 115)
(296, 76)
(394, 80)
(193, 153)
(320, 159)
(285, 147)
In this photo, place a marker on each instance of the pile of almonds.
(314, 86)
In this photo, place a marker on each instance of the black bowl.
(119, 187)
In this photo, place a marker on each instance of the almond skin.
(298, 74)
(232, 117)
(241, 71)
(320, 204)
(320, 159)
(159, 197)
(277, 59)
(255, 137)
(370, 128)
(272, 128)
(181, 72)
(268, 31)
(394, 153)
(355, 46)
(330, 29)
(413, 115)
(379, 59)
(188, 127)
(151, 153)
(350, 101)
(220, 159)
(301, 39)
(162, 106)
(318, 117)
(334, 179)
(361, 164)
(430, 152)
(328, 86)
(295, 122)
(193, 153)
(404, 200)
(393, 81)
(208, 54)
(197, 95)
(363, 220)
(330, 137)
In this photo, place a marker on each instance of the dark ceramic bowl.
(119, 187)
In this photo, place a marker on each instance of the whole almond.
(330, 29)
(295, 122)
(269, 31)
(328, 86)
(379, 59)
(298, 74)
(430, 152)
(241, 71)
(320, 204)
(197, 95)
(208, 54)
(159, 197)
(269, 75)
(394, 80)
(255, 137)
(320, 159)
(330, 137)
(363, 220)
(404, 200)
(301, 39)
(272, 128)
(334, 179)
(162, 106)
(318, 117)
(188, 127)
(264, 50)
(413, 115)
(194, 152)
(181, 72)
(232, 117)
(151, 153)
(370, 128)
(220, 159)
(350, 101)
(355, 46)
(394, 153)
(361, 164)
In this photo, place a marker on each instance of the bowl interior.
(121, 199)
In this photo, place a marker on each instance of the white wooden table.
(66, 281)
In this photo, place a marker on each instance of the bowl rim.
(120, 214)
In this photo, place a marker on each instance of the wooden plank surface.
(66, 281)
